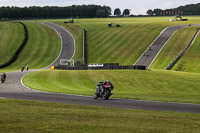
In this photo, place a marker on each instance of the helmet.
(108, 81)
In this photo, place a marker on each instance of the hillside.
(123, 44)
(41, 50)
(190, 61)
(174, 46)
(11, 37)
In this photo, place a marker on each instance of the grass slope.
(41, 50)
(190, 61)
(124, 44)
(146, 85)
(11, 37)
(31, 116)
(175, 45)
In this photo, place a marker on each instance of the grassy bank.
(172, 49)
(41, 50)
(124, 44)
(147, 85)
(31, 116)
(190, 61)
(11, 37)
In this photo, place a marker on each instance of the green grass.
(144, 85)
(11, 37)
(76, 32)
(41, 50)
(32, 116)
(123, 45)
(172, 49)
(190, 61)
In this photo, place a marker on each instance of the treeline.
(83, 11)
(191, 9)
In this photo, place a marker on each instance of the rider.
(108, 84)
(3, 75)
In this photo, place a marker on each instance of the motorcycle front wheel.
(95, 96)
(2, 80)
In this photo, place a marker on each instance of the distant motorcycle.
(102, 91)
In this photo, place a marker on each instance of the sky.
(137, 6)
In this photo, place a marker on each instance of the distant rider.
(3, 75)
(22, 69)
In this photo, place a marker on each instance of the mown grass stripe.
(37, 52)
(12, 35)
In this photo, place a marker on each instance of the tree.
(108, 10)
(150, 12)
(126, 12)
(86, 11)
(117, 12)
(100, 13)
(157, 12)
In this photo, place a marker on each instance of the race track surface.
(152, 52)
(13, 88)
(68, 43)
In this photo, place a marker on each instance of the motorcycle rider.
(108, 84)
(3, 76)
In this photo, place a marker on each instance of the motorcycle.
(102, 91)
(3, 79)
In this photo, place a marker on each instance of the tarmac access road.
(13, 88)
(150, 54)
(68, 43)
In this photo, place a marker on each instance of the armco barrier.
(14, 57)
(107, 67)
(169, 67)
(84, 46)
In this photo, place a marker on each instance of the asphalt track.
(154, 49)
(68, 43)
(14, 89)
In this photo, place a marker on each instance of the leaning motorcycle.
(103, 92)
(3, 79)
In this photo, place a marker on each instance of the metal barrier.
(106, 67)
(84, 46)
(171, 65)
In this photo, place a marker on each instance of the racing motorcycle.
(102, 91)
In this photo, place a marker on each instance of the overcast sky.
(136, 6)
